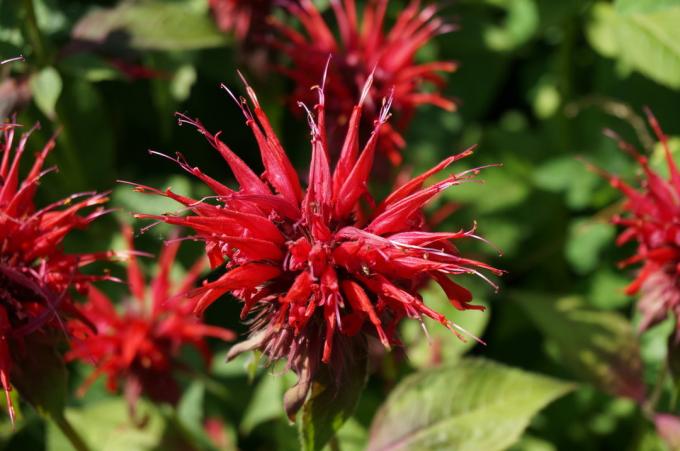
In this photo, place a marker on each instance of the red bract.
(311, 266)
(651, 218)
(366, 47)
(140, 345)
(35, 273)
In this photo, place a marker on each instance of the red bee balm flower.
(652, 219)
(363, 48)
(312, 266)
(35, 273)
(140, 345)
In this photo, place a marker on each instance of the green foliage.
(330, 404)
(538, 82)
(599, 347)
(642, 35)
(107, 426)
(473, 405)
(151, 25)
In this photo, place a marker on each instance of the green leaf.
(521, 22)
(352, 436)
(599, 347)
(475, 405)
(106, 426)
(643, 35)
(46, 87)
(266, 403)
(566, 174)
(638, 6)
(333, 399)
(89, 67)
(150, 25)
(442, 347)
(586, 240)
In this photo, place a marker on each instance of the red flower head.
(652, 219)
(364, 48)
(35, 273)
(140, 345)
(312, 266)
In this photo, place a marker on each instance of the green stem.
(34, 34)
(71, 434)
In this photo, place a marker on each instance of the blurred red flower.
(651, 218)
(242, 17)
(36, 275)
(366, 47)
(314, 266)
(139, 346)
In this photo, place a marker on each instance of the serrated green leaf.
(599, 347)
(475, 405)
(333, 400)
(46, 87)
(150, 25)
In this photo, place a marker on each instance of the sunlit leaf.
(643, 35)
(475, 405)
(150, 25)
(46, 87)
(106, 426)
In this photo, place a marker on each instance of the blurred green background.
(538, 82)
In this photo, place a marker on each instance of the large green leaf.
(106, 426)
(643, 35)
(150, 25)
(475, 405)
(333, 399)
(599, 347)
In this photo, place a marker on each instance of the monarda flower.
(36, 275)
(139, 347)
(651, 218)
(364, 47)
(320, 268)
